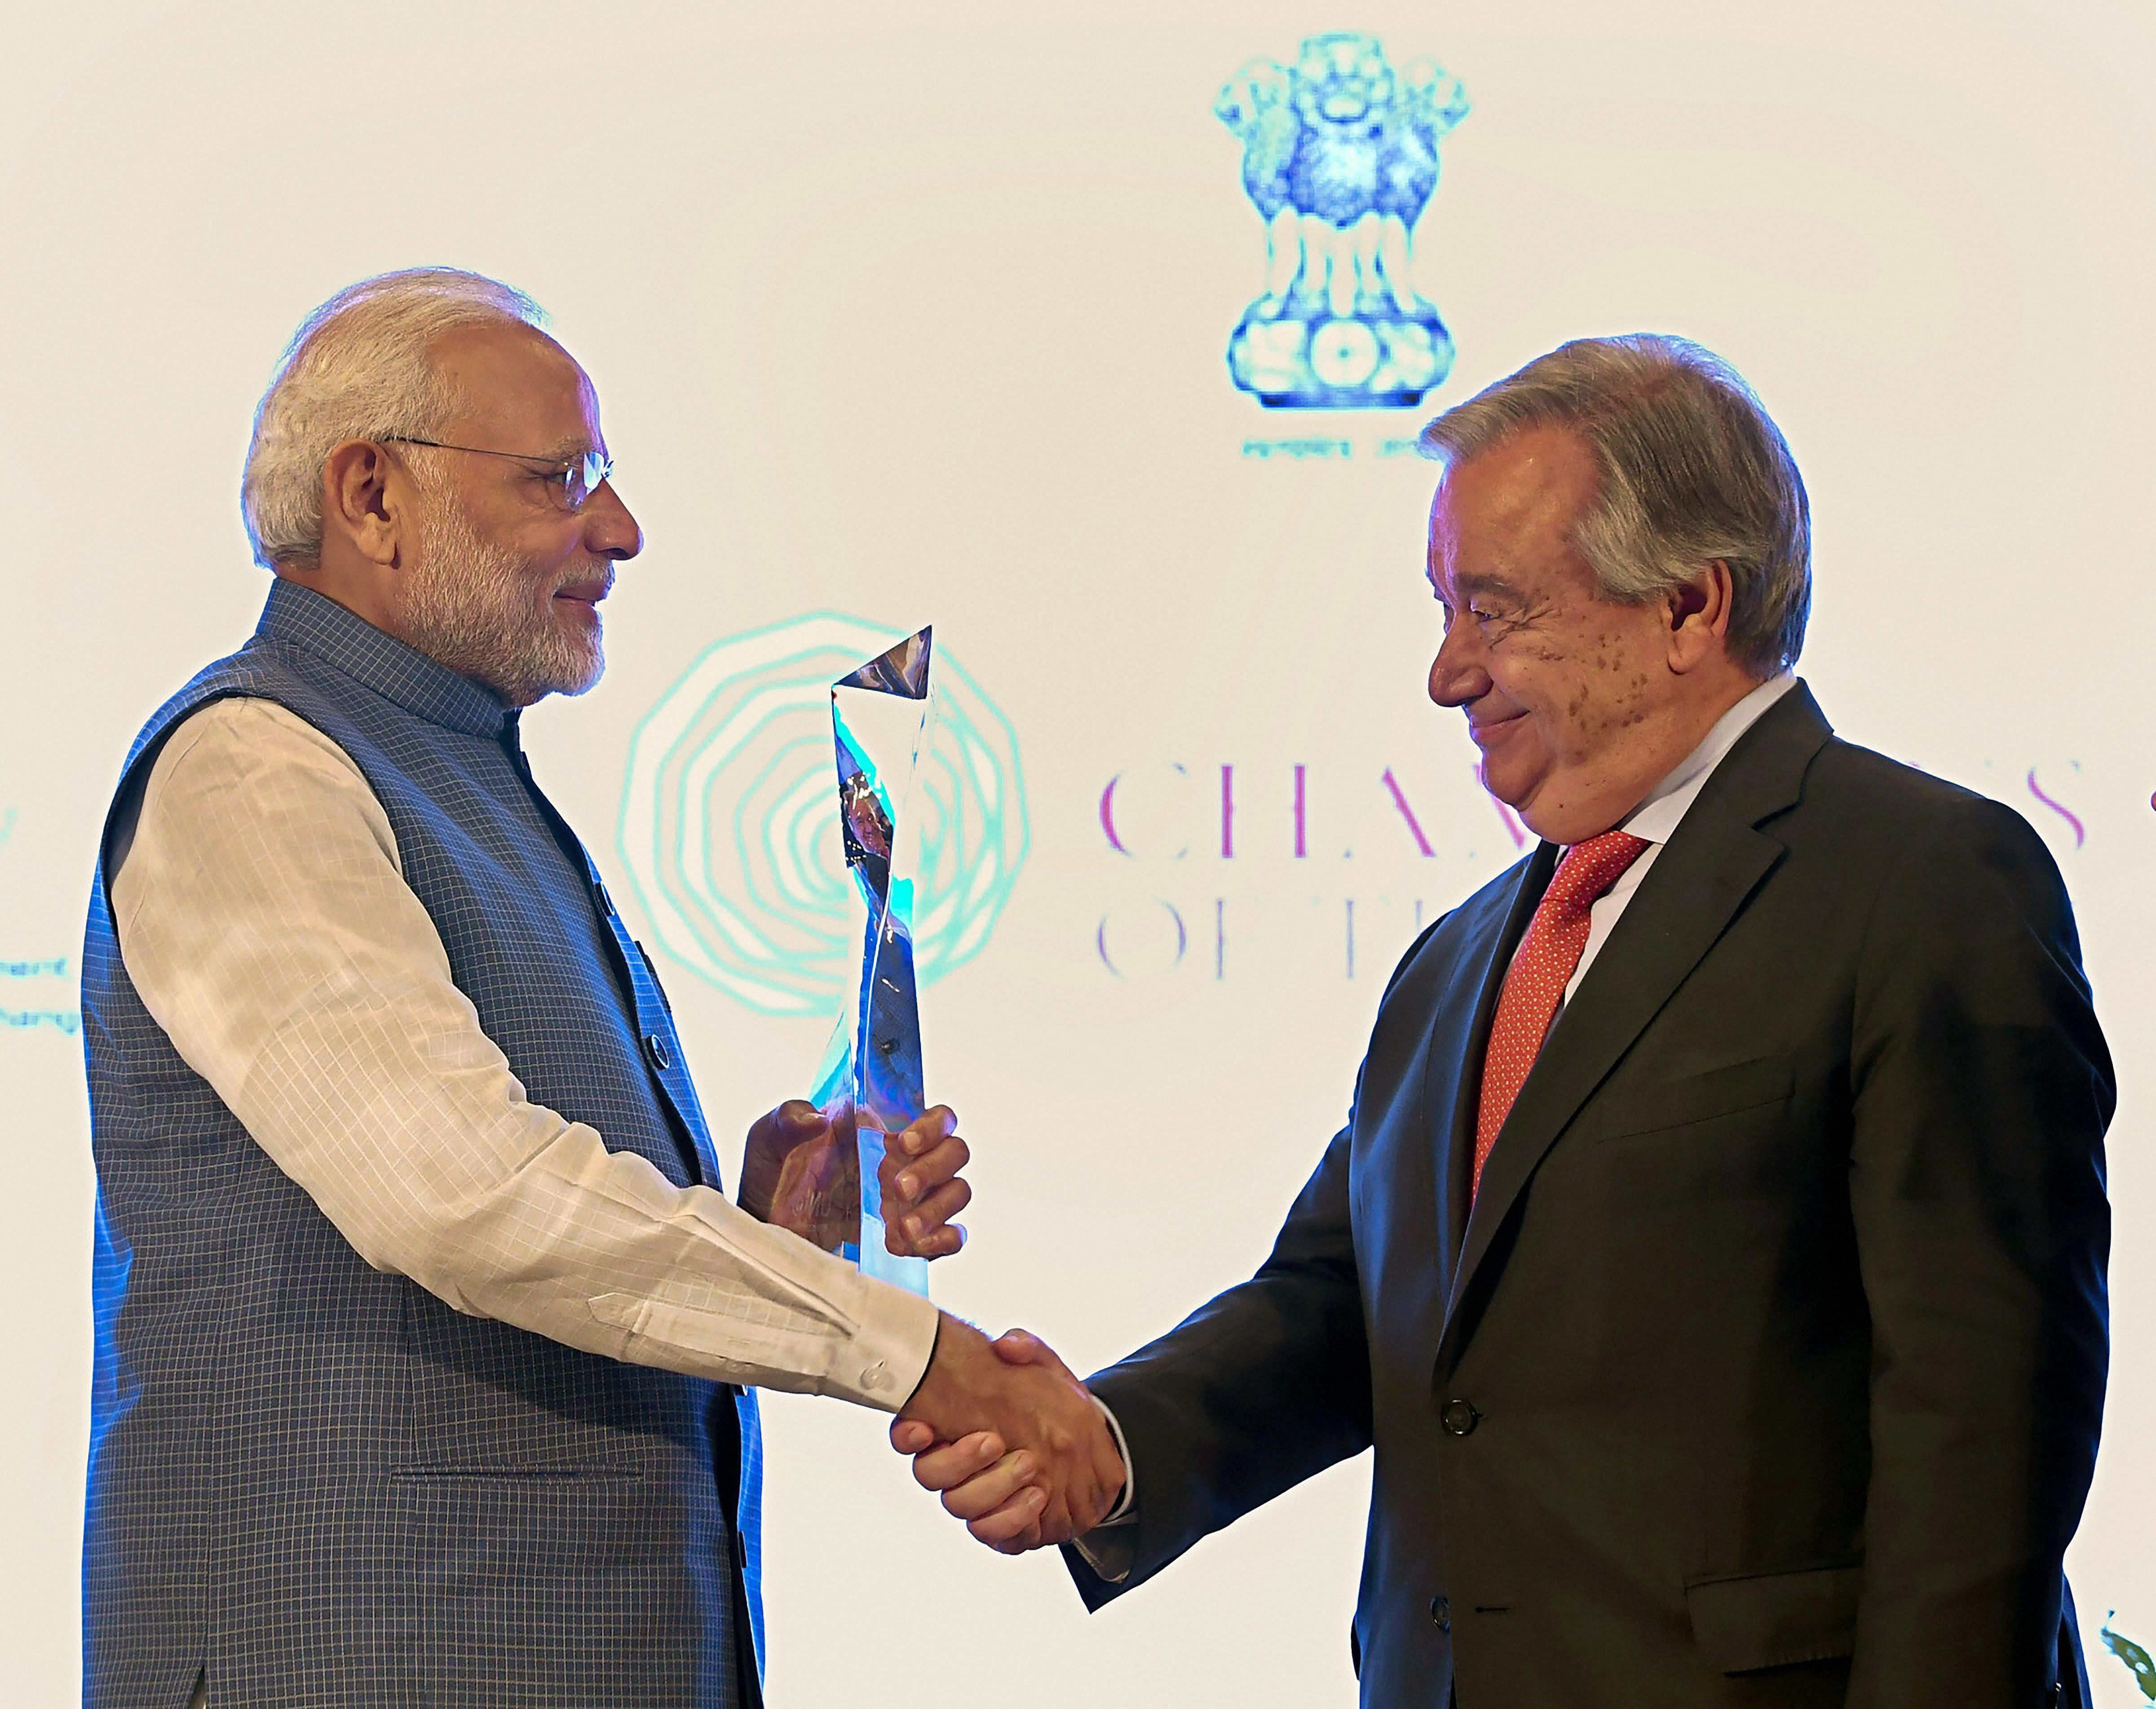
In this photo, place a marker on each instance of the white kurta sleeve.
(264, 917)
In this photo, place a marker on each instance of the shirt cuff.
(1125, 1511)
(894, 1337)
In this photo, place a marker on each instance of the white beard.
(469, 603)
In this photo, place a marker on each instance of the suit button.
(1460, 1417)
(661, 1058)
(1441, 1613)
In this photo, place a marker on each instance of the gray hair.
(359, 368)
(1693, 469)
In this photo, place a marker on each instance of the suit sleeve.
(1981, 1090)
(1266, 1385)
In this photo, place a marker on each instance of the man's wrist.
(935, 1342)
(940, 1397)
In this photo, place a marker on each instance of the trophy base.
(1297, 354)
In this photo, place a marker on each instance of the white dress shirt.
(1655, 820)
(264, 917)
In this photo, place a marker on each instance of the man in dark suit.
(1714, 1254)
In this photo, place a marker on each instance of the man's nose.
(1456, 676)
(609, 530)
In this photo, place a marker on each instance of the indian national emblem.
(1340, 156)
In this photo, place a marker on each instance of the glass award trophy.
(870, 1085)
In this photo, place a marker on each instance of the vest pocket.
(1773, 1620)
(550, 1589)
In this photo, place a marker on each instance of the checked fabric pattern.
(316, 1479)
(1556, 939)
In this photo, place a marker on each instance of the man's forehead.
(515, 379)
(1509, 509)
(1531, 474)
(1462, 554)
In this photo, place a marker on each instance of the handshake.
(1017, 1446)
(1014, 1442)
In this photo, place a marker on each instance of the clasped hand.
(801, 1171)
(1015, 1443)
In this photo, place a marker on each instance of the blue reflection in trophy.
(1340, 158)
(871, 1080)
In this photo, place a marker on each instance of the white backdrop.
(919, 313)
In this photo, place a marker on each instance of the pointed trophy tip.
(903, 670)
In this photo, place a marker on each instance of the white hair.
(1693, 469)
(359, 367)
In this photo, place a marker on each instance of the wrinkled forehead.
(520, 390)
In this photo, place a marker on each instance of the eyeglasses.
(572, 483)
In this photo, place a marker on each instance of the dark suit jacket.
(1768, 1367)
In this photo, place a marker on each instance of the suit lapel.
(1698, 884)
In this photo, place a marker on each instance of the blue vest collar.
(302, 618)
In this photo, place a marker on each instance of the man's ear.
(1697, 613)
(357, 502)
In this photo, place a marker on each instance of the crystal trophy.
(870, 1085)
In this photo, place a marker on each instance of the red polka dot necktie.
(1534, 985)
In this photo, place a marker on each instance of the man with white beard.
(425, 1337)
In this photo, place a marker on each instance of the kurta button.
(875, 1376)
(1441, 1613)
(661, 1057)
(1460, 1417)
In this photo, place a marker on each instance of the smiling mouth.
(586, 594)
(1477, 727)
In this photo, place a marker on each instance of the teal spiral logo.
(729, 817)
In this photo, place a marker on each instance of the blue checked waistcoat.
(317, 1481)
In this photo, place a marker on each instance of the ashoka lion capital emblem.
(1340, 156)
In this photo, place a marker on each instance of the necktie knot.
(1588, 870)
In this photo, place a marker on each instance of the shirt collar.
(1655, 820)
